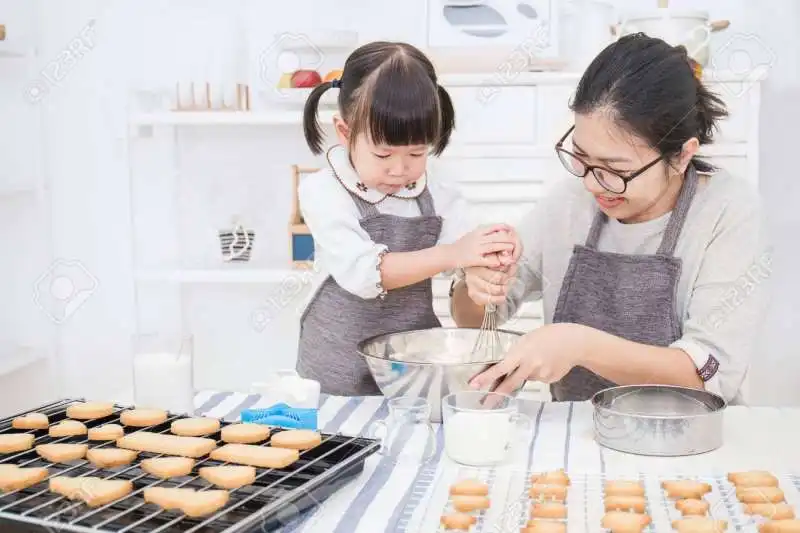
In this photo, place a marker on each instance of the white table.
(389, 498)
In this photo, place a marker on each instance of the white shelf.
(222, 118)
(234, 275)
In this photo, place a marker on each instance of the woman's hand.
(489, 285)
(490, 246)
(545, 354)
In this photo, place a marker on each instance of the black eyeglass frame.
(591, 168)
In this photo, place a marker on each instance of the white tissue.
(287, 387)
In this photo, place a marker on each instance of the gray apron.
(630, 296)
(335, 321)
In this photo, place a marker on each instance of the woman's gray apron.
(335, 321)
(630, 296)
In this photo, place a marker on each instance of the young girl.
(381, 227)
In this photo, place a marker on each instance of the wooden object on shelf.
(301, 242)
(2, 32)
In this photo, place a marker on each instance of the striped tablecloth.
(410, 498)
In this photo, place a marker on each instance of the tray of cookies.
(80, 466)
(560, 502)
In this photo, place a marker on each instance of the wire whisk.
(488, 344)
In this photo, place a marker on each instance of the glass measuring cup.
(480, 428)
(406, 434)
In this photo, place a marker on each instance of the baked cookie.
(142, 418)
(548, 492)
(13, 477)
(760, 495)
(93, 491)
(469, 487)
(780, 526)
(692, 507)
(699, 524)
(16, 442)
(467, 504)
(253, 455)
(554, 477)
(544, 526)
(458, 521)
(106, 432)
(62, 452)
(191, 502)
(772, 511)
(90, 410)
(31, 421)
(681, 489)
(296, 439)
(637, 504)
(624, 488)
(228, 476)
(625, 522)
(246, 433)
(195, 427)
(753, 478)
(146, 441)
(110, 457)
(168, 467)
(68, 428)
(549, 510)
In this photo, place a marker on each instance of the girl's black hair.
(390, 92)
(651, 88)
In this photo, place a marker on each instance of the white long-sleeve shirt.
(722, 292)
(341, 246)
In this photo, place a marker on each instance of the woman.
(651, 265)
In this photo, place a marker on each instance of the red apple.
(306, 78)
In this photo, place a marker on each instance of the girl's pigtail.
(311, 127)
(448, 120)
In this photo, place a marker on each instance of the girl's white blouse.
(341, 247)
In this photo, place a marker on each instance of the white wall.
(87, 163)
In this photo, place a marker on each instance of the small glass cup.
(163, 372)
(480, 428)
(400, 432)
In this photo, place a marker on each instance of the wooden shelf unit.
(301, 243)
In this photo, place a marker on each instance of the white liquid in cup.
(164, 381)
(478, 438)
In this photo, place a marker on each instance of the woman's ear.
(342, 130)
(688, 151)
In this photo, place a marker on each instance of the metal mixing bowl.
(429, 363)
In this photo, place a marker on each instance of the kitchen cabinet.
(501, 157)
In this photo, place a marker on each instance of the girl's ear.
(688, 151)
(342, 130)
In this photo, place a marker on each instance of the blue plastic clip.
(400, 368)
(281, 415)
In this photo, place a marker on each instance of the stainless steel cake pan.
(659, 420)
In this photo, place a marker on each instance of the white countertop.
(412, 498)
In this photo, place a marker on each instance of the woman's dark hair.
(650, 87)
(390, 92)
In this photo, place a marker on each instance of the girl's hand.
(545, 354)
(487, 285)
(483, 246)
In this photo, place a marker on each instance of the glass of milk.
(481, 427)
(163, 372)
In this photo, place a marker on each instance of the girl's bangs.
(401, 112)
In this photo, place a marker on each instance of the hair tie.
(336, 83)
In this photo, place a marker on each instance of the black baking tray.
(277, 497)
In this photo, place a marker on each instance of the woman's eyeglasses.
(608, 179)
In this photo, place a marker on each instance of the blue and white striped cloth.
(408, 498)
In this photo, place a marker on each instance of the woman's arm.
(465, 312)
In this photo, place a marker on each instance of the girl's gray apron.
(335, 321)
(630, 296)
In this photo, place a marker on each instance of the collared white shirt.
(341, 246)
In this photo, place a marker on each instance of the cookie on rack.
(760, 495)
(553, 477)
(458, 521)
(548, 492)
(90, 410)
(110, 457)
(195, 427)
(31, 421)
(296, 439)
(681, 489)
(62, 452)
(780, 526)
(245, 433)
(93, 491)
(106, 432)
(468, 504)
(548, 510)
(228, 476)
(699, 524)
(13, 477)
(637, 504)
(544, 526)
(16, 442)
(193, 503)
(753, 478)
(168, 467)
(624, 521)
(68, 428)
(771, 511)
(692, 506)
(143, 417)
